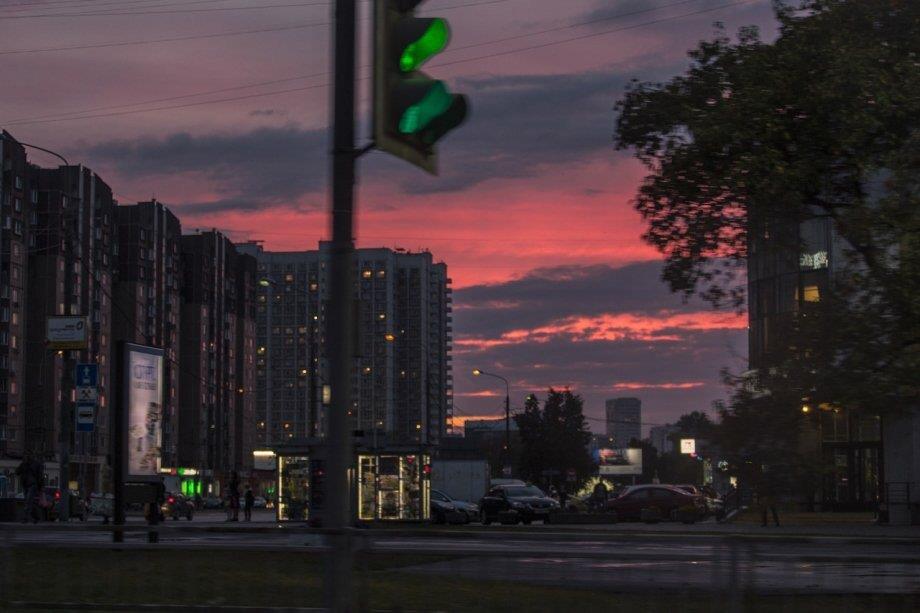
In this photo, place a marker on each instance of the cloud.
(263, 168)
(599, 330)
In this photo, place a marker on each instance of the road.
(590, 559)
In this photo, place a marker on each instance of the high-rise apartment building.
(71, 266)
(17, 202)
(402, 374)
(147, 298)
(624, 421)
(660, 437)
(216, 355)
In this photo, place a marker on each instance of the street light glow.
(477, 372)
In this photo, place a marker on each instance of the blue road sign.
(87, 375)
(86, 417)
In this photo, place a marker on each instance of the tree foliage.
(554, 437)
(823, 121)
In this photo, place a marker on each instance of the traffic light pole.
(339, 319)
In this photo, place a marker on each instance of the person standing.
(30, 473)
(563, 497)
(234, 496)
(249, 502)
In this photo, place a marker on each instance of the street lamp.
(478, 372)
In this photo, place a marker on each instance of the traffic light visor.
(436, 101)
(433, 40)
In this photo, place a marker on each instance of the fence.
(66, 567)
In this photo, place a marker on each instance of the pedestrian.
(766, 495)
(250, 501)
(31, 475)
(563, 497)
(599, 496)
(234, 496)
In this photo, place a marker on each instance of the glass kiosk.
(390, 485)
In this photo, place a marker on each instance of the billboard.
(66, 332)
(688, 446)
(143, 384)
(619, 461)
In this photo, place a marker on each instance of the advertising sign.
(66, 332)
(619, 461)
(143, 385)
(688, 446)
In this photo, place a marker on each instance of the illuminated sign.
(688, 446)
(143, 373)
(619, 461)
(813, 260)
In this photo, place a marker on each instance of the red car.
(670, 502)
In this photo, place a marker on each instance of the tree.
(758, 137)
(554, 438)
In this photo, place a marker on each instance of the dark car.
(651, 502)
(444, 508)
(177, 506)
(525, 503)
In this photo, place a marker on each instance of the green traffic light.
(429, 44)
(436, 101)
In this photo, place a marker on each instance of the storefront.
(852, 450)
(389, 485)
(393, 486)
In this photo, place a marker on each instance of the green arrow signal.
(435, 102)
(432, 41)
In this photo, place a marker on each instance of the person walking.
(249, 502)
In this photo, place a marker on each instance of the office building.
(624, 421)
(147, 298)
(790, 268)
(216, 358)
(402, 380)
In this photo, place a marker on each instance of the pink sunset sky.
(219, 109)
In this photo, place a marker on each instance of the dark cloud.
(546, 295)
(518, 125)
(597, 369)
(259, 169)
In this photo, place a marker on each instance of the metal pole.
(64, 456)
(117, 417)
(340, 318)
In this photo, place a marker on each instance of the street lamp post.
(479, 372)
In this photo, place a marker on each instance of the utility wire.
(167, 12)
(449, 63)
(264, 30)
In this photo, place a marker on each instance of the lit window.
(367, 274)
(811, 293)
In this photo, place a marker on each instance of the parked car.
(497, 482)
(442, 504)
(654, 502)
(213, 502)
(102, 505)
(259, 502)
(526, 502)
(50, 504)
(177, 506)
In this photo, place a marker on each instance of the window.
(810, 293)
(18, 182)
(17, 205)
(34, 196)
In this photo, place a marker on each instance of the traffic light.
(411, 110)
